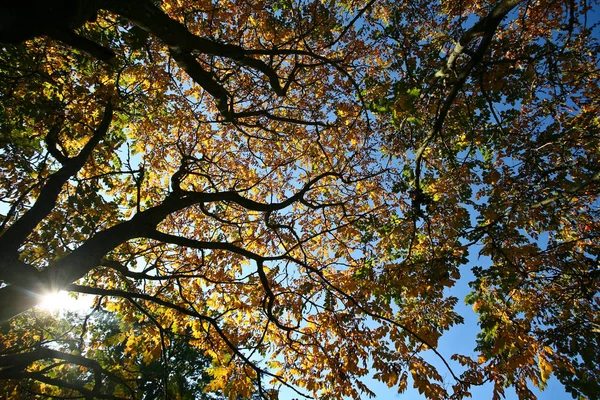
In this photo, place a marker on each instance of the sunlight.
(61, 300)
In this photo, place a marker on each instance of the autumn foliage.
(283, 193)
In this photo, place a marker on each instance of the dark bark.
(84, 44)
(11, 269)
(29, 289)
(185, 46)
(27, 19)
(14, 366)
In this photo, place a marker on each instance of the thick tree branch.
(84, 44)
(486, 28)
(249, 204)
(16, 234)
(203, 245)
(273, 117)
(184, 46)
(29, 290)
(17, 298)
(23, 20)
(52, 143)
(188, 63)
(14, 366)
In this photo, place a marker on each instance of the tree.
(289, 187)
(99, 356)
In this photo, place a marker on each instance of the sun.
(61, 300)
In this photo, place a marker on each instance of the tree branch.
(184, 46)
(16, 234)
(486, 28)
(185, 311)
(13, 366)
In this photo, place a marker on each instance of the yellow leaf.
(545, 368)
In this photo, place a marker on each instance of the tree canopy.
(280, 193)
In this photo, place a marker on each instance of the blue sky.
(461, 339)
